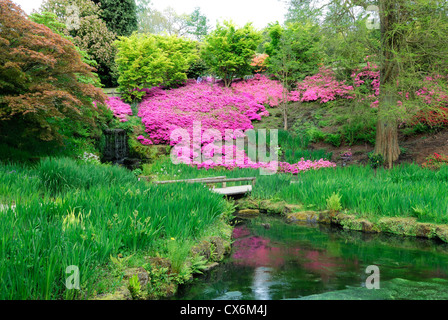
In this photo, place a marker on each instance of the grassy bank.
(404, 191)
(62, 213)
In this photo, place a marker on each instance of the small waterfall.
(116, 148)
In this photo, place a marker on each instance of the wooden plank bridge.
(223, 180)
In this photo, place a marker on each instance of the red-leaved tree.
(42, 77)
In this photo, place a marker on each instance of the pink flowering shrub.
(231, 158)
(263, 90)
(321, 87)
(368, 80)
(119, 108)
(215, 107)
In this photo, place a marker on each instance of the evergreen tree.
(120, 15)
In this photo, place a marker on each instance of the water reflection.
(261, 283)
(297, 261)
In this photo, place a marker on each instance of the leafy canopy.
(228, 50)
(146, 60)
(39, 76)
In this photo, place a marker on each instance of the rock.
(248, 213)
(325, 217)
(159, 262)
(203, 249)
(210, 266)
(219, 248)
(143, 276)
(425, 230)
(401, 226)
(441, 232)
(122, 293)
(309, 216)
(368, 226)
(292, 208)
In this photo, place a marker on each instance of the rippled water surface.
(272, 260)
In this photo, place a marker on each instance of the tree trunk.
(386, 142)
(285, 109)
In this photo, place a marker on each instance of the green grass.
(69, 213)
(404, 191)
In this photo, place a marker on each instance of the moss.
(309, 216)
(247, 213)
(401, 226)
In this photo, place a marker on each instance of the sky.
(259, 12)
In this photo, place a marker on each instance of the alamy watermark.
(208, 147)
(373, 280)
(72, 281)
(373, 22)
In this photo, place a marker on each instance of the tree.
(39, 77)
(120, 15)
(228, 50)
(412, 44)
(89, 32)
(51, 21)
(146, 60)
(197, 24)
(150, 20)
(293, 55)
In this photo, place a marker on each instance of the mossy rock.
(121, 293)
(351, 222)
(202, 249)
(159, 262)
(248, 213)
(425, 230)
(141, 273)
(309, 216)
(325, 217)
(441, 232)
(163, 290)
(221, 247)
(401, 226)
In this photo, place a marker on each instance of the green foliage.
(89, 224)
(376, 160)
(333, 139)
(57, 176)
(293, 52)
(88, 32)
(50, 20)
(334, 202)
(120, 15)
(359, 132)
(228, 50)
(197, 24)
(146, 60)
(135, 287)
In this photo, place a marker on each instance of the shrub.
(334, 202)
(146, 60)
(376, 160)
(435, 161)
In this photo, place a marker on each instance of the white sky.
(260, 12)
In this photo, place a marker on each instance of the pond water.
(292, 261)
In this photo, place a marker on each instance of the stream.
(274, 260)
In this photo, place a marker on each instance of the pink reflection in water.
(256, 251)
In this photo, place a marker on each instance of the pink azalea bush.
(230, 157)
(120, 109)
(215, 107)
(264, 90)
(321, 87)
